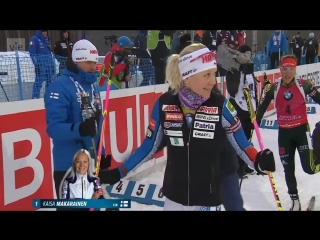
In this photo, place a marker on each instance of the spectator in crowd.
(276, 47)
(310, 49)
(63, 48)
(159, 45)
(175, 41)
(143, 58)
(43, 61)
(209, 39)
(241, 37)
(229, 37)
(185, 41)
(198, 37)
(116, 64)
(296, 47)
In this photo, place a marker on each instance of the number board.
(139, 192)
(269, 124)
(311, 101)
(311, 110)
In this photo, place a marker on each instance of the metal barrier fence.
(21, 80)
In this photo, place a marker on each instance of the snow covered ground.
(256, 190)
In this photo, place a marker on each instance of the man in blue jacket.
(42, 59)
(277, 46)
(68, 123)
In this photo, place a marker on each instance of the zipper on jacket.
(188, 144)
(82, 187)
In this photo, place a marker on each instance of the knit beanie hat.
(83, 50)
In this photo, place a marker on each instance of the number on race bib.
(120, 187)
(269, 123)
(140, 190)
(157, 194)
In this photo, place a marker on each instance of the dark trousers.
(231, 196)
(159, 57)
(310, 56)
(298, 56)
(274, 60)
(290, 140)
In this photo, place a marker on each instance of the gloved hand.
(88, 127)
(308, 86)
(265, 162)
(105, 162)
(109, 176)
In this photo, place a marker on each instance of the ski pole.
(105, 113)
(256, 128)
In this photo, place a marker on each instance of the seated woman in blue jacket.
(196, 123)
(81, 183)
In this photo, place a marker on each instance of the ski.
(311, 203)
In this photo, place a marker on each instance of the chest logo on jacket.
(174, 116)
(204, 126)
(208, 110)
(170, 108)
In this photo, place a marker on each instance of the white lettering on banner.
(208, 110)
(173, 133)
(210, 118)
(11, 165)
(113, 132)
(140, 190)
(200, 134)
(204, 126)
(172, 124)
(170, 108)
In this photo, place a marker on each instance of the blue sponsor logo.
(172, 124)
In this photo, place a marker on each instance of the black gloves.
(105, 162)
(88, 127)
(109, 176)
(265, 162)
